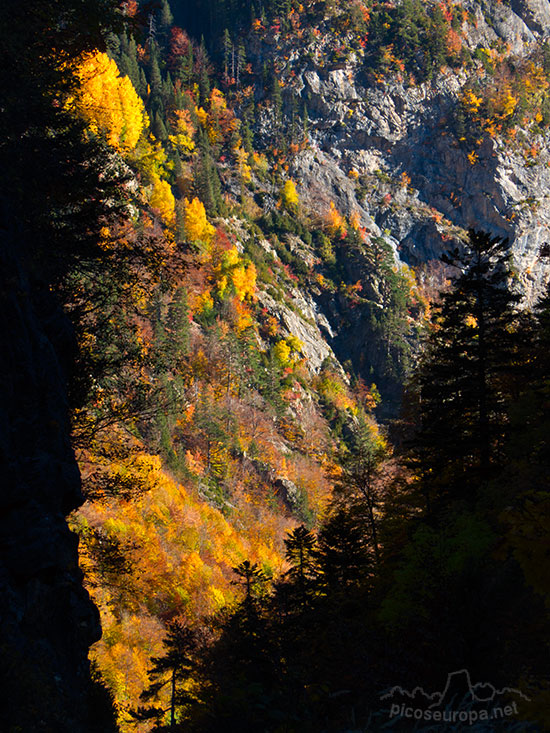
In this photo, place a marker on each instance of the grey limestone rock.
(397, 130)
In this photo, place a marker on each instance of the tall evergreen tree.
(155, 77)
(166, 19)
(171, 670)
(227, 53)
(187, 65)
(359, 488)
(300, 552)
(207, 181)
(159, 128)
(343, 555)
(204, 79)
(467, 373)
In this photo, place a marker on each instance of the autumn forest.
(313, 469)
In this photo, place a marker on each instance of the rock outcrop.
(402, 130)
(366, 140)
(47, 618)
(392, 152)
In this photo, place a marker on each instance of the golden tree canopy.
(108, 102)
(197, 226)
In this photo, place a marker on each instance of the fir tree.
(227, 52)
(343, 554)
(207, 181)
(204, 79)
(240, 64)
(155, 78)
(300, 546)
(159, 128)
(466, 373)
(187, 65)
(142, 88)
(173, 669)
(360, 488)
(166, 19)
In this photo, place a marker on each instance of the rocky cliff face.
(399, 131)
(48, 620)
(388, 151)
(396, 154)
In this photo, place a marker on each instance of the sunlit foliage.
(108, 102)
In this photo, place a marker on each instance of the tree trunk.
(173, 701)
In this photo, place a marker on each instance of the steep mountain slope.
(266, 245)
(416, 156)
(291, 191)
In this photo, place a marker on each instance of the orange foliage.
(354, 221)
(454, 42)
(178, 546)
(335, 222)
(108, 102)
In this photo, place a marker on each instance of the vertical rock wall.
(47, 620)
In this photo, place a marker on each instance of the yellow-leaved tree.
(289, 195)
(184, 131)
(233, 270)
(162, 199)
(244, 280)
(287, 351)
(197, 226)
(108, 102)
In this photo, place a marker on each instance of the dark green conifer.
(301, 547)
(159, 128)
(466, 373)
(173, 669)
(155, 78)
(343, 555)
(166, 19)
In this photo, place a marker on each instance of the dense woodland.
(272, 546)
